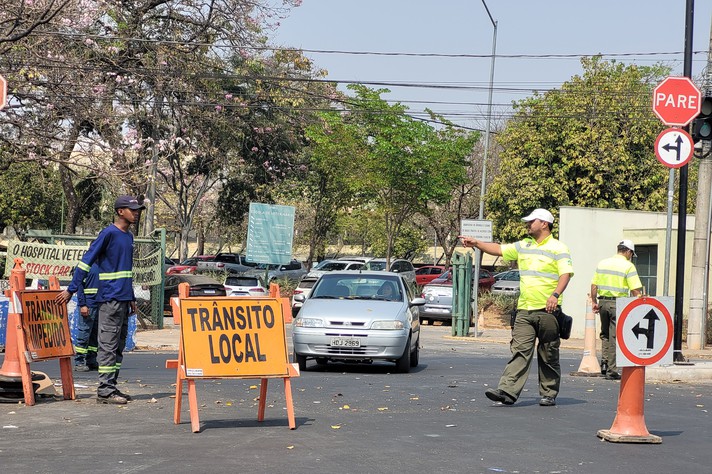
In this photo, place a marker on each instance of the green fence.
(58, 254)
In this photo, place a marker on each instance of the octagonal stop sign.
(676, 101)
(3, 92)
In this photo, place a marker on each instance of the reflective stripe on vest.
(615, 277)
(115, 275)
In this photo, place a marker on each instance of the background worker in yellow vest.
(544, 272)
(615, 277)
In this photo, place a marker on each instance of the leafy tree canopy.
(589, 143)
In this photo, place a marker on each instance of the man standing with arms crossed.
(615, 277)
(544, 272)
(112, 251)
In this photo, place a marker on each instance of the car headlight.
(387, 325)
(309, 323)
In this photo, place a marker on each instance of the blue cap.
(129, 202)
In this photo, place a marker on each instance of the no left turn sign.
(674, 147)
(644, 331)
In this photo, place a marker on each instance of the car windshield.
(376, 266)
(510, 276)
(329, 266)
(358, 287)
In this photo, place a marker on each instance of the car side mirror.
(302, 299)
(417, 302)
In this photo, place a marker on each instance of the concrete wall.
(593, 234)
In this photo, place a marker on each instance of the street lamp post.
(478, 255)
(489, 113)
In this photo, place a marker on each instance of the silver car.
(403, 267)
(507, 283)
(358, 317)
(293, 271)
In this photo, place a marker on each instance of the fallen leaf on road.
(252, 387)
(383, 409)
(345, 407)
(290, 447)
(153, 400)
(335, 427)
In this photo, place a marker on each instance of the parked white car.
(245, 286)
(334, 265)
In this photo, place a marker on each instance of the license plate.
(209, 292)
(345, 342)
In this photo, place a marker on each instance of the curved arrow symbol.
(677, 147)
(649, 333)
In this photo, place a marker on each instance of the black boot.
(604, 367)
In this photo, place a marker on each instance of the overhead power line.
(370, 53)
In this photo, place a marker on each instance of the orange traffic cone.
(589, 364)
(11, 370)
(274, 292)
(629, 424)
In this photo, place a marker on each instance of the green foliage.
(502, 303)
(30, 197)
(589, 143)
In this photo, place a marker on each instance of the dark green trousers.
(607, 312)
(530, 328)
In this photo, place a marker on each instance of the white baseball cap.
(629, 245)
(541, 214)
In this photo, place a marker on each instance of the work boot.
(613, 376)
(125, 395)
(604, 367)
(547, 401)
(113, 399)
(497, 395)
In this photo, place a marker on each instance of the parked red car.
(426, 274)
(485, 283)
(189, 265)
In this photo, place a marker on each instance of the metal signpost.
(480, 229)
(676, 102)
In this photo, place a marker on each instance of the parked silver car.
(292, 271)
(359, 317)
(402, 267)
(507, 283)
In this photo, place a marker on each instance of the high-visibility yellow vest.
(540, 265)
(616, 276)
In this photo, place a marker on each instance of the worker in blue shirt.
(112, 251)
(86, 345)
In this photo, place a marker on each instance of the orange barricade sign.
(45, 324)
(230, 338)
(233, 337)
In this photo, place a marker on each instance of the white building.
(593, 234)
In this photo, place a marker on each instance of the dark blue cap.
(129, 202)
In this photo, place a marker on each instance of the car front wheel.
(403, 363)
(300, 360)
(415, 355)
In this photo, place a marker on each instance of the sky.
(462, 27)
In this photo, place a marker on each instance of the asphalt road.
(357, 419)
